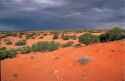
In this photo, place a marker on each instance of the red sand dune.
(107, 64)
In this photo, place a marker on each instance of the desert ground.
(102, 61)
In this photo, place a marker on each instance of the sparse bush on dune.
(31, 35)
(24, 50)
(68, 44)
(8, 33)
(88, 38)
(84, 60)
(45, 46)
(65, 37)
(3, 54)
(41, 37)
(8, 42)
(3, 48)
(56, 35)
(113, 34)
(7, 53)
(77, 45)
(20, 43)
(11, 53)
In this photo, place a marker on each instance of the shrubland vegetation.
(8, 42)
(23, 50)
(45, 46)
(56, 35)
(112, 35)
(88, 38)
(66, 37)
(68, 44)
(20, 43)
(7, 53)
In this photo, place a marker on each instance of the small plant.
(20, 43)
(45, 46)
(56, 36)
(8, 42)
(11, 53)
(24, 50)
(30, 36)
(68, 44)
(88, 38)
(41, 37)
(3, 54)
(3, 48)
(15, 75)
(65, 37)
(84, 60)
(77, 45)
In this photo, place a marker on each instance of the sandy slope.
(107, 64)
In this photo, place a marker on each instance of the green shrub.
(20, 43)
(24, 50)
(8, 42)
(10, 53)
(77, 45)
(3, 48)
(3, 54)
(45, 46)
(113, 34)
(88, 38)
(69, 37)
(30, 36)
(68, 44)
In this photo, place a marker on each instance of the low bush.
(24, 50)
(77, 45)
(45, 46)
(56, 36)
(88, 38)
(3, 48)
(10, 53)
(3, 54)
(8, 42)
(113, 34)
(84, 60)
(68, 44)
(65, 37)
(20, 43)
(30, 36)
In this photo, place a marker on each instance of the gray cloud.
(61, 13)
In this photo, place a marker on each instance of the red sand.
(107, 64)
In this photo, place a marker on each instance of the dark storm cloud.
(30, 14)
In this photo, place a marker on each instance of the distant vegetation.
(20, 43)
(112, 35)
(23, 50)
(10, 53)
(45, 46)
(68, 44)
(87, 38)
(8, 42)
(65, 37)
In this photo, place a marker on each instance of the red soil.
(107, 64)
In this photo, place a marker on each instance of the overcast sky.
(35, 14)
